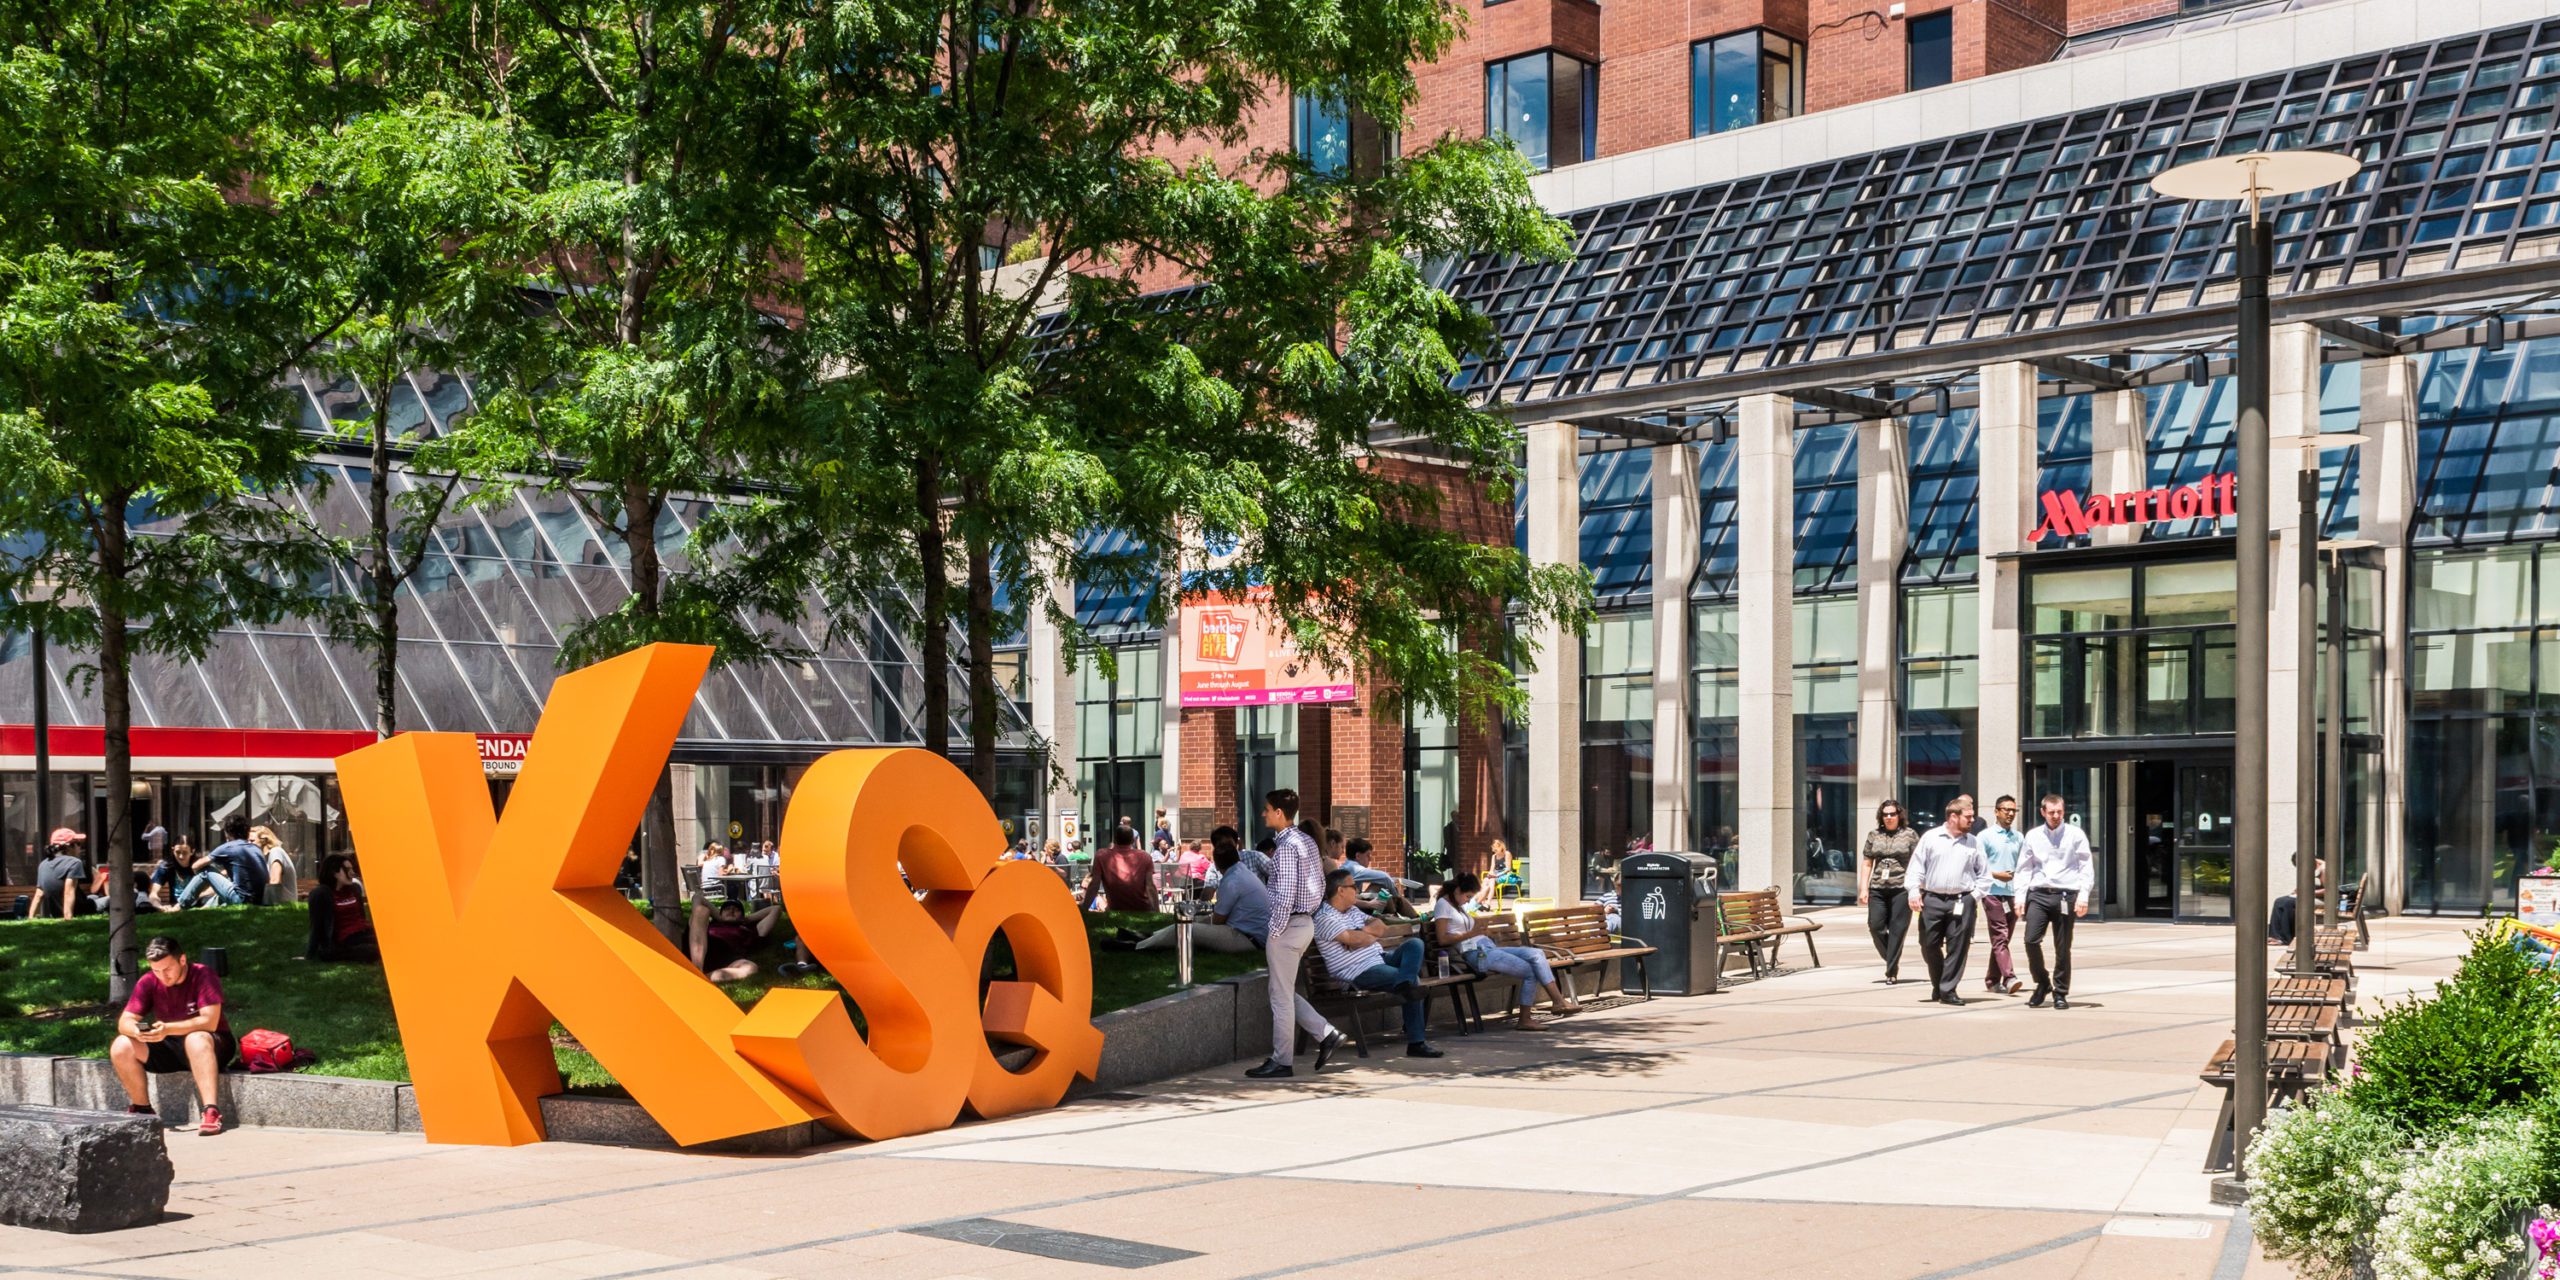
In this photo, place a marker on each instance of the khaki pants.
(1290, 1011)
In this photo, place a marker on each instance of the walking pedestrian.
(2055, 873)
(1297, 889)
(2000, 843)
(1946, 878)
(1881, 862)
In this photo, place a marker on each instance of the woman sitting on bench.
(1454, 926)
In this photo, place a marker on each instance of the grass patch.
(53, 987)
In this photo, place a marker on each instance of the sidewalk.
(1816, 1124)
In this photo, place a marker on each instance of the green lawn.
(52, 980)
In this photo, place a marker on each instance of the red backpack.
(263, 1051)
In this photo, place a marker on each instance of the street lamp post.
(2252, 178)
(2309, 843)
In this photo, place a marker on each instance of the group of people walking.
(1949, 874)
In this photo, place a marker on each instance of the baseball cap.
(65, 835)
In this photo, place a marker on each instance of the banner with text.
(1234, 654)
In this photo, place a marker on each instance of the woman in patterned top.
(1881, 859)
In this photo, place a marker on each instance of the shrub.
(2320, 1176)
(2486, 1041)
(2453, 1211)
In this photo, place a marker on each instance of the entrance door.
(2089, 801)
(2204, 842)
(2155, 839)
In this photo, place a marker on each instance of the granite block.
(81, 1171)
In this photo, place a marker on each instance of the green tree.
(657, 174)
(1024, 408)
(145, 320)
(392, 206)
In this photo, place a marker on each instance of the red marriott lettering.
(2068, 515)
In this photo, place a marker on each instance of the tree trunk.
(982, 648)
(115, 692)
(658, 874)
(386, 584)
(933, 611)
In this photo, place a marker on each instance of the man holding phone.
(173, 1022)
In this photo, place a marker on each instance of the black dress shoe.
(1324, 1050)
(2061, 1002)
(1957, 1001)
(1422, 1049)
(2036, 1001)
(1270, 1070)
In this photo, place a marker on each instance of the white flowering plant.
(2320, 1175)
(2453, 1209)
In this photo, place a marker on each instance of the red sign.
(2068, 515)
(502, 752)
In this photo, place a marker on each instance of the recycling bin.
(1667, 899)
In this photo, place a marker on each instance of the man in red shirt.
(174, 1022)
(1123, 874)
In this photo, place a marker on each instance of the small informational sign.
(1069, 830)
(737, 830)
(1031, 825)
(2538, 901)
(502, 753)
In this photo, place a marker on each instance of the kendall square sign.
(2069, 515)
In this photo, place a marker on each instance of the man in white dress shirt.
(1945, 879)
(2055, 876)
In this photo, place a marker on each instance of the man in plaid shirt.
(1297, 889)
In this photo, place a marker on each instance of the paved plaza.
(1815, 1124)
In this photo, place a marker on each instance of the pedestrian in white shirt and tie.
(2055, 876)
(1947, 876)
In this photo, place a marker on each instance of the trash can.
(1668, 899)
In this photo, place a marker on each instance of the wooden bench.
(2294, 1068)
(2314, 988)
(1754, 921)
(15, 901)
(2317, 1023)
(2351, 911)
(1578, 937)
(2332, 959)
(1322, 988)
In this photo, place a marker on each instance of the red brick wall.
(1857, 55)
(1645, 81)
(1368, 776)
(1208, 751)
(1449, 94)
(2092, 15)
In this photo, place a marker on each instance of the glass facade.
(1617, 736)
(1715, 700)
(1746, 78)
(2130, 651)
(1940, 736)
(1826, 703)
(1120, 739)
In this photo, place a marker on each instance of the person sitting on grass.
(282, 877)
(1349, 941)
(234, 871)
(1455, 926)
(1239, 916)
(341, 919)
(173, 1022)
(1123, 876)
(177, 861)
(724, 943)
(62, 879)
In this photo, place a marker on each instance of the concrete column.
(2293, 409)
(1772, 828)
(2118, 434)
(2389, 416)
(2006, 450)
(1053, 704)
(1555, 684)
(1675, 559)
(1884, 532)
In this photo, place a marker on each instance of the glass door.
(2088, 792)
(2204, 842)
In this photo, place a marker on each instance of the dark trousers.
(1888, 919)
(1403, 968)
(2280, 914)
(2050, 908)
(1999, 915)
(1946, 930)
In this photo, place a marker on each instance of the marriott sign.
(2068, 515)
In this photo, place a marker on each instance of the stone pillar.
(1884, 532)
(2118, 440)
(1053, 705)
(1315, 761)
(2389, 416)
(1555, 684)
(1772, 825)
(2006, 452)
(1675, 560)
(2293, 410)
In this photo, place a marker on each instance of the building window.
(1617, 741)
(1715, 703)
(1933, 48)
(1746, 78)
(1826, 670)
(1546, 103)
(1320, 132)
(1940, 739)
(1119, 740)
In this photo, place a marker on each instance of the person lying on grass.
(722, 944)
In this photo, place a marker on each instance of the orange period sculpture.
(493, 927)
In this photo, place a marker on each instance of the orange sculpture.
(493, 927)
